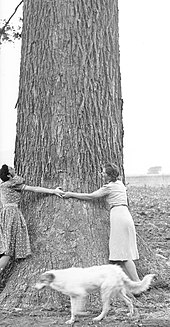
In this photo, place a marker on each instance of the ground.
(150, 208)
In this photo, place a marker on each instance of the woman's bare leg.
(4, 261)
(130, 269)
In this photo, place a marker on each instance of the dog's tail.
(138, 287)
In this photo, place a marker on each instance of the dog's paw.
(98, 318)
(70, 322)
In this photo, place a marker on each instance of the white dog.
(78, 282)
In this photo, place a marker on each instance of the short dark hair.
(112, 171)
(4, 171)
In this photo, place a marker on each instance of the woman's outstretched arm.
(37, 189)
(84, 196)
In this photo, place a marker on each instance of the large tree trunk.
(69, 123)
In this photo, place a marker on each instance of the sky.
(144, 27)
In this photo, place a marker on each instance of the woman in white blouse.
(122, 243)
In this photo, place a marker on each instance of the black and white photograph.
(84, 163)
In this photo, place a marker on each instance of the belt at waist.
(118, 205)
(10, 205)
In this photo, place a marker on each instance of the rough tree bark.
(69, 123)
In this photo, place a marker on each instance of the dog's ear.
(47, 277)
